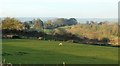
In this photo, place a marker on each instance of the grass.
(48, 31)
(24, 51)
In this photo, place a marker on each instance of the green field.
(24, 51)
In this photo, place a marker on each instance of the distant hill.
(80, 20)
(83, 20)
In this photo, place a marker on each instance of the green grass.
(48, 31)
(49, 52)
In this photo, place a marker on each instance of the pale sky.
(59, 8)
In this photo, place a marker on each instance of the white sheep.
(40, 38)
(60, 44)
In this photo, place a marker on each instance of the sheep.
(39, 38)
(60, 44)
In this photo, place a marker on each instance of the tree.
(48, 24)
(72, 21)
(38, 24)
(63, 22)
(59, 22)
(26, 25)
(11, 23)
(105, 40)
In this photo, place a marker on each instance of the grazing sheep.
(40, 38)
(60, 44)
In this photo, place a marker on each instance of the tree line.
(61, 29)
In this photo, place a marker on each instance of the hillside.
(95, 31)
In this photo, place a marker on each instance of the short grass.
(24, 51)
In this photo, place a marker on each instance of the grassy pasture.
(25, 51)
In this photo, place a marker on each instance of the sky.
(59, 8)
